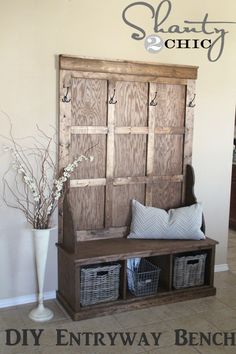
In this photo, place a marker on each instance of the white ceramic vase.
(41, 241)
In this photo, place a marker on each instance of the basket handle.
(102, 272)
(193, 261)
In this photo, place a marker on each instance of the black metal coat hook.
(191, 104)
(65, 98)
(153, 103)
(111, 101)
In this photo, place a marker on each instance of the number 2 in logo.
(153, 43)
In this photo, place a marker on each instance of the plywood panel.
(87, 206)
(170, 108)
(131, 106)
(168, 157)
(130, 155)
(166, 195)
(140, 148)
(82, 143)
(89, 102)
(122, 196)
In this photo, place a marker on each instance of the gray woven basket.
(143, 280)
(189, 271)
(99, 283)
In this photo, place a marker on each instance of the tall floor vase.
(41, 241)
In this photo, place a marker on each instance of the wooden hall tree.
(139, 118)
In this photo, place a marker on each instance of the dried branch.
(37, 185)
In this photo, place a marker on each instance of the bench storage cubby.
(136, 119)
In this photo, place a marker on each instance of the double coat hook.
(112, 101)
(191, 104)
(65, 99)
(153, 103)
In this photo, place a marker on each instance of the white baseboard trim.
(221, 268)
(27, 299)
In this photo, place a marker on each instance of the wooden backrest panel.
(140, 131)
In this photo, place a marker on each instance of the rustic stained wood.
(189, 116)
(136, 119)
(89, 252)
(126, 77)
(131, 303)
(64, 135)
(127, 67)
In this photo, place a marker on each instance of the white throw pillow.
(153, 223)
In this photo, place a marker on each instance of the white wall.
(33, 33)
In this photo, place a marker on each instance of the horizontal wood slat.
(131, 130)
(127, 67)
(88, 130)
(87, 182)
(120, 181)
(112, 232)
(126, 130)
(126, 77)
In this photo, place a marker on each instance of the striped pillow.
(153, 223)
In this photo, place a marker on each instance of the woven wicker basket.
(99, 283)
(189, 271)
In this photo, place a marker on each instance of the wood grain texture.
(128, 77)
(66, 272)
(168, 158)
(125, 130)
(189, 123)
(89, 145)
(167, 195)
(110, 156)
(112, 232)
(131, 130)
(92, 182)
(189, 116)
(122, 196)
(131, 106)
(141, 154)
(64, 136)
(151, 134)
(137, 303)
(88, 129)
(150, 146)
(127, 67)
(69, 239)
(130, 155)
(89, 102)
(170, 109)
(123, 279)
(88, 207)
(118, 249)
(120, 181)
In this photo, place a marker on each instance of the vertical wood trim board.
(189, 118)
(110, 156)
(150, 143)
(64, 134)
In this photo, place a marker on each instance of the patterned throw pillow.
(153, 223)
